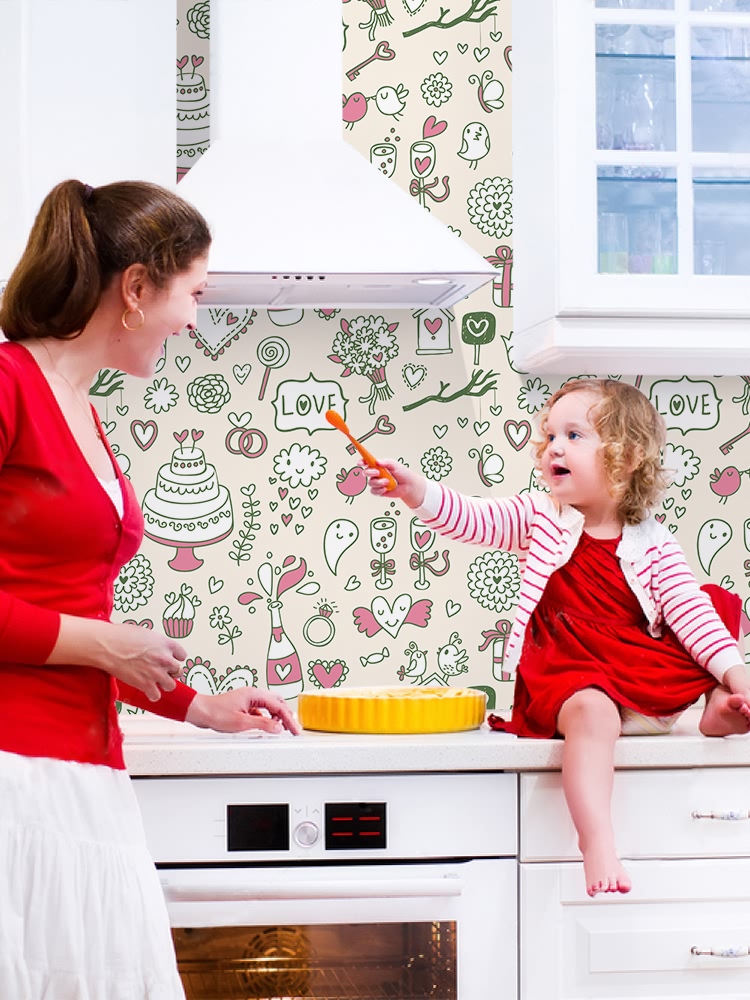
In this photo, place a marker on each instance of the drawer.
(657, 814)
(643, 945)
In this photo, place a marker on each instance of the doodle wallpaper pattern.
(265, 553)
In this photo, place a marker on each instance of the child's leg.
(725, 713)
(590, 722)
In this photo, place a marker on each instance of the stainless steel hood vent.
(299, 217)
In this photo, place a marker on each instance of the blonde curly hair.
(633, 435)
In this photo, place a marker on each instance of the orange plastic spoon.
(335, 420)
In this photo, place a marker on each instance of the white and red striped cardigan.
(543, 536)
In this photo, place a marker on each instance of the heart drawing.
(144, 434)
(327, 674)
(433, 127)
(218, 328)
(517, 433)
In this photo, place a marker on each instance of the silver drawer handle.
(721, 952)
(730, 814)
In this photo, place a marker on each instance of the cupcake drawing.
(179, 614)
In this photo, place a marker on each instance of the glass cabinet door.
(672, 137)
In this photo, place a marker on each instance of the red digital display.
(354, 825)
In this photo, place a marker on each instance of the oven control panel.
(280, 818)
(349, 826)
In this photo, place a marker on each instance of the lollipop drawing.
(335, 420)
(478, 328)
(273, 352)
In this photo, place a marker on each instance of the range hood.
(299, 217)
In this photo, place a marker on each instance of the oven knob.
(306, 834)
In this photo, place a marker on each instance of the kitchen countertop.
(155, 746)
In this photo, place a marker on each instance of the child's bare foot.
(604, 872)
(725, 714)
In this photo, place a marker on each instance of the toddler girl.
(612, 632)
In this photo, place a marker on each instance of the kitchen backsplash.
(291, 575)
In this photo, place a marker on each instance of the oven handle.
(447, 886)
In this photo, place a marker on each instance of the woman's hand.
(410, 486)
(139, 656)
(240, 710)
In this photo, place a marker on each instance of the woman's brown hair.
(633, 435)
(81, 238)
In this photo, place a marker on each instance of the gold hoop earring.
(124, 321)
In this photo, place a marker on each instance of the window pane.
(635, 89)
(637, 220)
(725, 6)
(721, 221)
(637, 4)
(720, 74)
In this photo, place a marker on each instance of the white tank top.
(113, 488)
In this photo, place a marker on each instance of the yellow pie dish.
(392, 710)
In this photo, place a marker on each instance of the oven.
(399, 886)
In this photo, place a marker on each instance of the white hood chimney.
(299, 217)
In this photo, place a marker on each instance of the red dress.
(589, 630)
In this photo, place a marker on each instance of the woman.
(107, 276)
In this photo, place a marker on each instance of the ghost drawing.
(475, 143)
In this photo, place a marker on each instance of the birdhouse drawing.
(434, 331)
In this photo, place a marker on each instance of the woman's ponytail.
(55, 288)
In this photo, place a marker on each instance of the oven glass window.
(400, 961)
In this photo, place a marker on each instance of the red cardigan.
(62, 545)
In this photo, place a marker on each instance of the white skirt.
(82, 916)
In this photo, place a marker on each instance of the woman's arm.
(137, 656)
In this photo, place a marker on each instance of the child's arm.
(502, 523)
(691, 615)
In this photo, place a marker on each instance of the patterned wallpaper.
(290, 575)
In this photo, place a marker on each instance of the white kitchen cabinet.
(686, 813)
(683, 931)
(631, 148)
(54, 126)
(645, 945)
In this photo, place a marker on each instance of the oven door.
(398, 930)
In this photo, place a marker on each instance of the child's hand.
(410, 486)
(736, 680)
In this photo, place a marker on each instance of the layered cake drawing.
(187, 508)
(192, 116)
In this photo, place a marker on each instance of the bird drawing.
(489, 91)
(475, 143)
(354, 108)
(391, 100)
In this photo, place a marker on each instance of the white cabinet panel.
(638, 946)
(89, 90)
(657, 814)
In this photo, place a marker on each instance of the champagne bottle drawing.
(283, 668)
